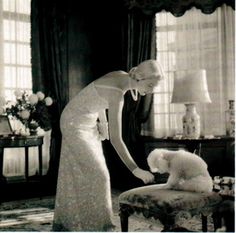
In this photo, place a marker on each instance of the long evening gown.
(83, 198)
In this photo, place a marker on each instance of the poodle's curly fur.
(187, 171)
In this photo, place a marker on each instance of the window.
(195, 41)
(15, 73)
(15, 54)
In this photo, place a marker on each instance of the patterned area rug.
(37, 214)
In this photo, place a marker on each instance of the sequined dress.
(83, 198)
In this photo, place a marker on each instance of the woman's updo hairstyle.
(147, 69)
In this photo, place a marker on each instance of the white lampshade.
(190, 86)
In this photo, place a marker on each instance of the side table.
(21, 141)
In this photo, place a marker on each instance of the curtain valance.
(176, 7)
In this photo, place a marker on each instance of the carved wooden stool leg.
(216, 220)
(168, 222)
(124, 221)
(125, 212)
(204, 223)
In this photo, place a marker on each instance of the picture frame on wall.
(5, 126)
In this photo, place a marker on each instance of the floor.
(33, 210)
(36, 214)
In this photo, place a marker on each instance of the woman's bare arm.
(116, 104)
(115, 99)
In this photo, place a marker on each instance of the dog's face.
(157, 162)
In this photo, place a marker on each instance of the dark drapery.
(176, 7)
(139, 39)
(50, 64)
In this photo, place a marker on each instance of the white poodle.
(187, 171)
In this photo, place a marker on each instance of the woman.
(83, 200)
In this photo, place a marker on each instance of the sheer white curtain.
(195, 40)
(15, 72)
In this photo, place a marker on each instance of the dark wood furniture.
(21, 141)
(218, 152)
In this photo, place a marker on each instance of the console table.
(218, 152)
(21, 141)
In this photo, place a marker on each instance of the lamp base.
(191, 122)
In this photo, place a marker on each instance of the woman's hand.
(145, 176)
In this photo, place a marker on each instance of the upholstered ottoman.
(165, 205)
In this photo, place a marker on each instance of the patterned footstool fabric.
(164, 204)
(168, 200)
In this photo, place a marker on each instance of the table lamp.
(190, 87)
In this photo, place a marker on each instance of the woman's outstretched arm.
(116, 104)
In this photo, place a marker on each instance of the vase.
(230, 119)
(191, 122)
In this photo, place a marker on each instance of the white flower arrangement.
(31, 110)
